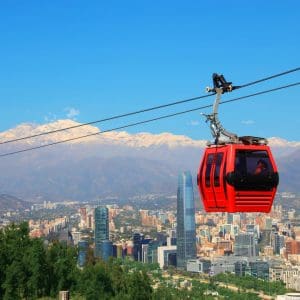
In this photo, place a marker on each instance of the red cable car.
(237, 174)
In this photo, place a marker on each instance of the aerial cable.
(147, 109)
(151, 120)
(269, 78)
(107, 119)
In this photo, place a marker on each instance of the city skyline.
(264, 246)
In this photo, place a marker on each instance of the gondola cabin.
(237, 177)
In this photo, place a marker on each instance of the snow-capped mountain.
(116, 137)
(109, 164)
(25, 130)
(142, 139)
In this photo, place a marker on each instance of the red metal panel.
(217, 179)
(213, 197)
(219, 195)
(205, 187)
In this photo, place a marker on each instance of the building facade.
(152, 251)
(292, 247)
(82, 252)
(198, 266)
(186, 230)
(103, 247)
(277, 242)
(137, 239)
(259, 269)
(166, 256)
(245, 245)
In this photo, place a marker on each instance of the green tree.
(37, 269)
(163, 293)
(95, 283)
(117, 276)
(139, 287)
(14, 281)
(62, 263)
(14, 239)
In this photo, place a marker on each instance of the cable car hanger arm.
(219, 133)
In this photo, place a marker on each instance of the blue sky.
(93, 59)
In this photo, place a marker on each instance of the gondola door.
(206, 187)
(212, 183)
(218, 179)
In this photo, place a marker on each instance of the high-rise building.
(186, 230)
(137, 246)
(253, 229)
(161, 238)
(103, 247)
(83, 246)
(106, 249)
(245, 245)
(166, 255)
(277, 242)
(240, 268)
(259, 269)
(229, 218)
(152, 251)
(171, 239)
(138, 242)
(101, 223)
(292, 247)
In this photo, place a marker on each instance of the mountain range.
(112, 164)
(8, 202)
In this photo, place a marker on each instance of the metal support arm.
(219, 133)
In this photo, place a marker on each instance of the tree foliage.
(251, 283)
(31, 270)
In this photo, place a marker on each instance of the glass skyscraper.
(103, 247)
(186, 230)
(82, 252)
(245, 245)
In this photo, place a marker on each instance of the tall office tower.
(268, 223)
(83, 246)
(240, 268)
(245, 245)
(137, 246)
(229, 218)
(253, 229)
(277, 242)
(102, 248)
(152, 251)
(186, 229)
(139, 241)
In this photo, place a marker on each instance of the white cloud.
(248, 122)
(72, 112)
(194, 123)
